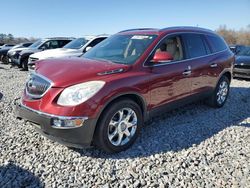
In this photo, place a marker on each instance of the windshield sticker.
(140, 37)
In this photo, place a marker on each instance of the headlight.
(79, 93)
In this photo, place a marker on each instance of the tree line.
(10, 39)
(231, 36)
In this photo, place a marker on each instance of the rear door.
(170, 81)
(198, 51)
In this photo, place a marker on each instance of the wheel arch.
(227, 73)
(132, 96)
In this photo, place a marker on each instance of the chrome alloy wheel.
(222, 92)
(122, 127)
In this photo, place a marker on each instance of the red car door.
(200, 61)
(170, 81)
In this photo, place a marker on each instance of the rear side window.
(95, 42)
(217, 43)
(63, 43)
(195, 45)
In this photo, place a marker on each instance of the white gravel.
(194, 146)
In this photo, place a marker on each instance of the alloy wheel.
(122, 127)
(222, 92)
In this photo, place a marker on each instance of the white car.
(74, 48)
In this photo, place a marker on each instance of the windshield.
(36, 44)
(76, 44)
(244, 52)
(125, 49)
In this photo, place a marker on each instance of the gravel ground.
(194, 146)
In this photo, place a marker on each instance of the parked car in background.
(41, 45)
(7, 46)
(4, 52)
(236, 48)
(13, 54)
(75, 48)
(242, 64)
(103, 98)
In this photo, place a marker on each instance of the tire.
(220, 94)
(107, 134)
(24, 64)
(5, 59)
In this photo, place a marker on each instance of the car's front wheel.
(118, 126)
(220, 94)
(4, 59)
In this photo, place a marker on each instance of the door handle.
(213, 65)
(187, 72)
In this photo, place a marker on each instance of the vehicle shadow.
(184, 127)
(1, 95)
(15, 176)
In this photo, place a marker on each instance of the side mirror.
(162, 57)
(88, 48)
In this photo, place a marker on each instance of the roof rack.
(185, 27)
(137, 29)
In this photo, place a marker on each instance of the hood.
(17, 49)
(56, 53)
(242, 59)
(70, 71)
(30, 51)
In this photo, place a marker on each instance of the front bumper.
(80, 137)
(241, 73)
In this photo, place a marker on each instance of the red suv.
(103, 98)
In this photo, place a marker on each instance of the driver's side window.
(45, 46)
(173, 46)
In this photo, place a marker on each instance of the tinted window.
(94, 42)
(27, 44)
(76, 44)
(206, 44)
(51, 44)
(62, 43)
(217, 43)
(245, 52)
(195, 45)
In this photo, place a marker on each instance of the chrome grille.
(242, 66)
(37, 86)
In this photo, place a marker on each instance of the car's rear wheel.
(118, 126)
(220, 94)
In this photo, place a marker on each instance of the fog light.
(67, 123)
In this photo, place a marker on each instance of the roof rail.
(185, 27)
(60, 38)
(137, 29)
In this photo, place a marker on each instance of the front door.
(170, 81)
